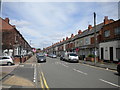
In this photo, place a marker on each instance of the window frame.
(106, 32)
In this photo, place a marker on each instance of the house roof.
(89, 32)
(4, 25)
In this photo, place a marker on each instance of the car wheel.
(9, 63)
(118, 69)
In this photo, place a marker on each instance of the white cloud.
(45, 23)
(60, 0)
(20, 23)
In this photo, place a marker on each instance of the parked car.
(6, 60)
(71, 57)
(61, 57)
(54, 56)
(41, 58)
(50, 55)
(118, 68)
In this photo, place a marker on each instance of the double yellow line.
(43, 82)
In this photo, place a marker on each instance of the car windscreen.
(41, 56)
(73, 54)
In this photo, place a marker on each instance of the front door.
(111, 53)
(102, 53)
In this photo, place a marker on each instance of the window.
(77, 42)
(87, 41)
(81, 41)
(5, 57)
(107, 33)
(117, 31)
(117, 53)
(73, 54)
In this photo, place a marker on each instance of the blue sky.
(45, 23)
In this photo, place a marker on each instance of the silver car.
(41, 58)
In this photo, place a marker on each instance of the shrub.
(91, 55)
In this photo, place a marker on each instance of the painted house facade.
(109, 46)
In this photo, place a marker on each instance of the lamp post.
(95, 38)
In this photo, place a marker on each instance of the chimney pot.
(66, 38)
(7, 20)
(79, 32)
(72, 35)
(89, 27)
(63, 39)
(106, 21)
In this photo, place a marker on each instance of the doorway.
(111, 53)
(102, 53)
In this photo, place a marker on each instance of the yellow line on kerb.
(46, 85)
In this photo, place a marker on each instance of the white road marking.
(109, 83)
(80, 71)
(64, 65)
(21, 66)
(34, 78)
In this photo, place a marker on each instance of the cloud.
(60, 0)
(20, 23)
(45, 23)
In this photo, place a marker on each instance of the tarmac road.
(62, 74)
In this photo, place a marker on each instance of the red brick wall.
(111, 27)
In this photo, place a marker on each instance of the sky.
(44, 23)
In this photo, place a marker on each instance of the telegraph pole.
(95, 53)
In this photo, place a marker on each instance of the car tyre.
(118, 69)
(9, 63)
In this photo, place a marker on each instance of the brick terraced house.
(13, 43)
(107, 41)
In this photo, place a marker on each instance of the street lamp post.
(95, 38)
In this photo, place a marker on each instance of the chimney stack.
(79, 32)
(106, 21)
(72, 35)
(14, 26)
(66, 38)
(7, 20)
(89, 27)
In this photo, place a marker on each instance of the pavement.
(107, 65)
(18, 75)
(5, 70)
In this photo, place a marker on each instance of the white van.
(6, 60)
(72, 57)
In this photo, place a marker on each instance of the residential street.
(60, 74)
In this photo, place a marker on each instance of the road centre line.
(109, 83)
(80, 71)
